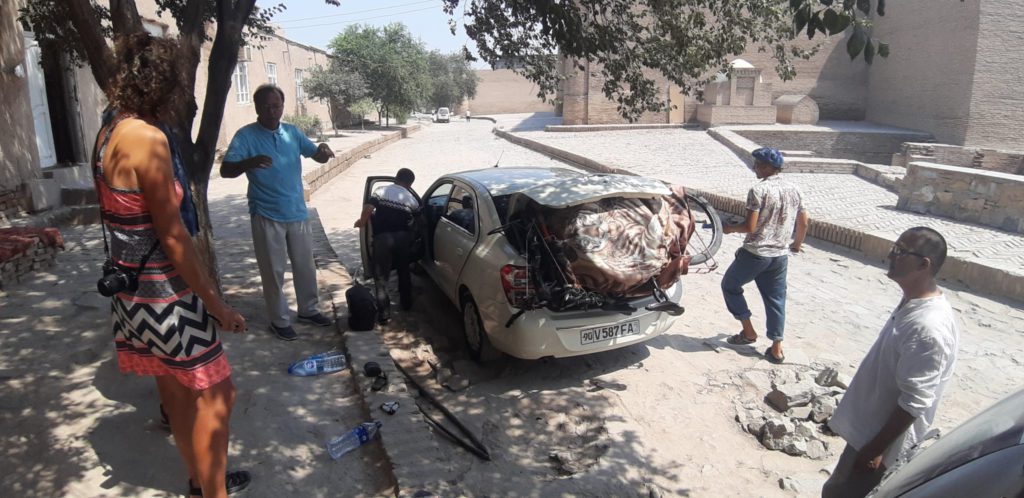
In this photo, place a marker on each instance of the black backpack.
(362, 307)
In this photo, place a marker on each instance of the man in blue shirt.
(267, 151)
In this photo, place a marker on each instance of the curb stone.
(414, 457)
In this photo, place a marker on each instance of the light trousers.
(273, 240)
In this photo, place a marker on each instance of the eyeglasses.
(900, 251)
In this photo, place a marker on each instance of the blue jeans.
(770, 276)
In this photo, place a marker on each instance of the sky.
(316, 23)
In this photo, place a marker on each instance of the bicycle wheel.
(707, 236)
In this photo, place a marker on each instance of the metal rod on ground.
(476, 447)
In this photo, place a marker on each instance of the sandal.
(236, 480)
(772, 358)
(740, 339)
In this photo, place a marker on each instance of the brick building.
(953, 72)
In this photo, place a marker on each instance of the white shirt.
(909, 366)
(777, 203)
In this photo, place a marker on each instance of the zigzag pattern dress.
(162, 328)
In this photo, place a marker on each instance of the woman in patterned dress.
(165, 328)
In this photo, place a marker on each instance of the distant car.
(984, 456)
(443, 115)
(486, 245)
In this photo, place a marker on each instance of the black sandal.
(236, 480)
(778, 360)
(740, 340)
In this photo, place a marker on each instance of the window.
(272, 73)
(241, 82)
(300, 96)
(460, 209)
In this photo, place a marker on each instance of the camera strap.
(97, 161)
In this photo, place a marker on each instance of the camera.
(116, 279)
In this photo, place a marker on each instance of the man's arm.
(232, 169)
(802, 222)
(747, 226)
(869, 458)
(365, 216)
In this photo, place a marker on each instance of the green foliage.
(362, 107)
(337, 84)
(451, 80)
(392, 62)
(308, 125)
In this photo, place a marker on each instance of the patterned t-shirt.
(777, 202)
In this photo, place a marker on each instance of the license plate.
(606, 332)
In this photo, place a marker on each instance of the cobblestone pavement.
(693, 158)
(664, 426)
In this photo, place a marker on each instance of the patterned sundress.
(162, 328)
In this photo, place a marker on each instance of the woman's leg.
(210, 437)
(199, 422)
(179, 403)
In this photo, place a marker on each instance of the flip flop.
(772, 358)
(740, 339)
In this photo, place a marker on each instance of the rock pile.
(801, 406)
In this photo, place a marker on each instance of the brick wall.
(502, 91)
(966, 194)
(12, 203)
(996, 120)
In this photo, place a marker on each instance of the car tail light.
(515, 280)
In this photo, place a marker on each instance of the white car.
(443, 115)
(483, 249)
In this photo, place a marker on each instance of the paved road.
(655, 419)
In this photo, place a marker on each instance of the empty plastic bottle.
(352, 439)
(322, 363)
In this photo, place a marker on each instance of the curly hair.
(147, 74)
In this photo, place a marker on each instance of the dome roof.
(741, 64)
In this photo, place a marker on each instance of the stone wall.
(19, 157)
(865, 147)
(502, 91)
(966, 194)
(965, 157)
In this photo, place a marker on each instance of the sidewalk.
(74, 426)
(848, 210)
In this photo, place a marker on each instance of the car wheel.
(479, 345)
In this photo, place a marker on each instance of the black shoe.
(317, 319)
(286, 333)
(235, 481)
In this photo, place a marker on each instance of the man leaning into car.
(394, 209)
(892, 399)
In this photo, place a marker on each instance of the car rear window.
(501, 206)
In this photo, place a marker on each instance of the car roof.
(560, 187)
(505, 181)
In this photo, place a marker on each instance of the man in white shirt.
(893, 397)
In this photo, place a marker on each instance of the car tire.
(477, 342)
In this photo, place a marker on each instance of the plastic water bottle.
(352, 439)
(322, 363)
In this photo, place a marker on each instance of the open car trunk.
(608, 242)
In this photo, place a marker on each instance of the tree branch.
(125, 17)
(87, 24)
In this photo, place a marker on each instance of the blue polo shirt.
(274, 192)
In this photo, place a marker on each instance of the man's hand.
(323, 153)
(867, 461)
(795, 247)
(258, 162)
(359, 223)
